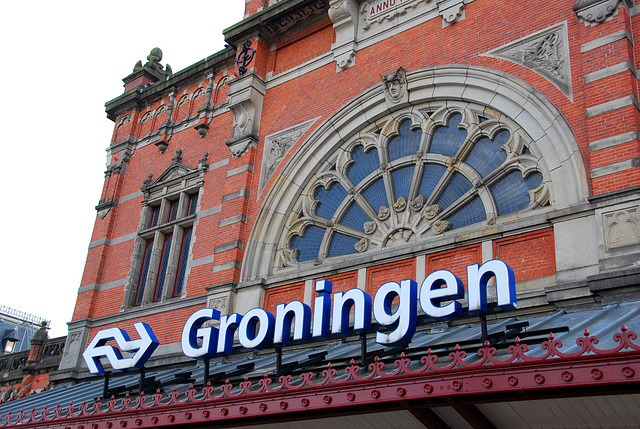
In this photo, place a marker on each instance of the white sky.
(60, 62)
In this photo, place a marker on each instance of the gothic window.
(161, 258)
(414, 176)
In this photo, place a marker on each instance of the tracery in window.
(412, 176)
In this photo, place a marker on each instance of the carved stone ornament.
(451, 11)
(593, 12)
(377, 11)
(440, 226)
(246, 94)
(395, 86)
(622, 228)
(417, 204)
(431, 211)
(276, 147)
(218, 303)
(153, 65)
(384, 213)
(545, 52)
(370, 227)
(362, 245)
(287, 257)
(344, 15)
(400, 205)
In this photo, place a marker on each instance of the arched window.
(413, 176)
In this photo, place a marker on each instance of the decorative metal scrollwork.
(244, 57)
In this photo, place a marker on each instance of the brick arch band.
(521, 105)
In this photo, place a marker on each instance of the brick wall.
(530, 255)
(283, 294)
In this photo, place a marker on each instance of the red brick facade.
(295, 77)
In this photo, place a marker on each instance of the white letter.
(405, 314)
(432, 293)
(192, 331)
(228, 324)
(248, 336)
(294, 311)
(342, 303)
(322, 309)
(477, 285)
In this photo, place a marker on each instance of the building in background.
(363, 143)
(16, 329)
(29, 355)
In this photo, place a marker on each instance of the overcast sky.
(61, 61)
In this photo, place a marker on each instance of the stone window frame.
(178, 184)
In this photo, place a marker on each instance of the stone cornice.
(136, 97)
(275, 22)
(593, 12)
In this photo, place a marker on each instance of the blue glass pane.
(365, 164)
(155, 213)
(342, 245)
(456, 188)
(376, 195)
(355, 217)
(470, 213)
(308, 244)
(534, 180)
(182, 267)
(447, 140)
(401, 179)
(510, 192)
(173, 211)
(407, 143)
(431, 175)
(162, 274)
(144, 272)
(486, 155)
(193, 202)
(329, 199)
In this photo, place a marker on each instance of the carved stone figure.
(395, 85)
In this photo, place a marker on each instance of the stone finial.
(153, 65)
(41, 334)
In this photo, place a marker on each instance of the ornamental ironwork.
(244, 57)
(488, 370)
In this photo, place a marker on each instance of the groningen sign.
(394, 307)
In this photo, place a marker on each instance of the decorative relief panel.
(414, 176)
(377, 11)
(622, 227)
(276, 147)
(545, 52)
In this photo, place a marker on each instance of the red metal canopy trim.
(518, 372)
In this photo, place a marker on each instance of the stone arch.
(506, 96)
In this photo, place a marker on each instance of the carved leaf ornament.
(413, 176)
